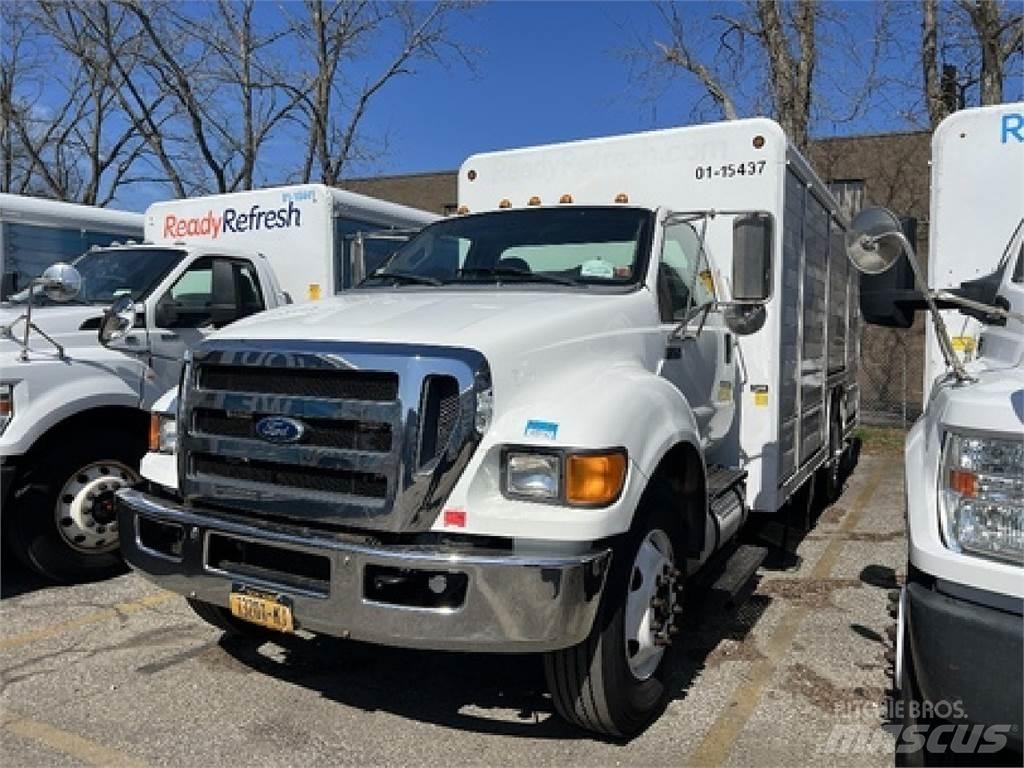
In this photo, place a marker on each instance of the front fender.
(48, 392)
(596, 407)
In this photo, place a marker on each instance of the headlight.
(981, 491)
(576, 478)
(6, 405)
(533, 475)
(163, 432)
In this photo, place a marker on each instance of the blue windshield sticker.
(544, 429)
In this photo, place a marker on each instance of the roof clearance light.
(505, 203)
(565, 199)
(463, 210)
(758, 141)
(471, 175)
(622, 197)
(534, 201)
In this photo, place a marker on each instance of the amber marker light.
(463, 210)
(594, 479)
(505, 203)
(622, 197)
(154, 432)
(565, 199)
(964, 483)
(534, 200)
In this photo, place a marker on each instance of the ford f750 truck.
(960, 616)
(534, 424)
(76, 381)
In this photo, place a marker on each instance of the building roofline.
(879, 135)
(445, 172)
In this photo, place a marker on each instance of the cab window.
(684, 279)
(187, 304)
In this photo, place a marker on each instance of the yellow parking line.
(79, 747)
(721, 737)
(120, 609)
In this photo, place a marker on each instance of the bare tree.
(333, 35)
(783, 36)
(966, 45)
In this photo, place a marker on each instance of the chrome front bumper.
(510, 602)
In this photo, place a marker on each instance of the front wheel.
(62, 522)
(616, 681)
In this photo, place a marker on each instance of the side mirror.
(224, 304)
(745, 319)
(118, 320)
(877, 248)
(752, 257)
(61, 282)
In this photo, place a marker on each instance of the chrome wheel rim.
(85, 513)
(652, 604)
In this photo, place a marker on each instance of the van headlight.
(981, 497)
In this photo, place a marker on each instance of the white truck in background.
(79, 372)
(35, 233)
(534, 425)
(959, 657)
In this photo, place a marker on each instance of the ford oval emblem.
(280, 429)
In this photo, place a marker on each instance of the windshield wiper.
(406, 277)
(537, 277)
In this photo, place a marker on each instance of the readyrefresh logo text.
(231, 220)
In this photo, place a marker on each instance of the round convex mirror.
(874, 241)
(61, 282)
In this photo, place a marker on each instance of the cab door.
(196, 304)
(699, 355)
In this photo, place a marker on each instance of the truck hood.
(504, 322)
(63, 322)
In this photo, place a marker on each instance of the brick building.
(884, 169)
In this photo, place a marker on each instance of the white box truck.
(534, 424)
(960, 616)
(78, 375)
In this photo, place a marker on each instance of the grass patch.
(884, 440)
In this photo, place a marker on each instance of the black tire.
(221, 618)
(591, 684)
(30, 525)
(828, 479)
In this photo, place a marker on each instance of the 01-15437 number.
(730, 170)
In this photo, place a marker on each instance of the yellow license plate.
(262, 610)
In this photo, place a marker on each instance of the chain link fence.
(891, 375)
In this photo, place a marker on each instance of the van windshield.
(573, 247)
(110, 273)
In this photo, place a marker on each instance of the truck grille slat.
(326, 433)
(329, 383)
(308, 478)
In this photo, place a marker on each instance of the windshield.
(108, 274)
(574, 247)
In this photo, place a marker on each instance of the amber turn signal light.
(154, 432)
(594, 479)
(964, 483)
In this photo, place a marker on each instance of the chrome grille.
(383, 430)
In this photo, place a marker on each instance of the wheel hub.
(653, 604)
(86, 512)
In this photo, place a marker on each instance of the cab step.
(720, 480)
(730, 579)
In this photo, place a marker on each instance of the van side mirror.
(224, 305)
(752, 257)
(118, 320)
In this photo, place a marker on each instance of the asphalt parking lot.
(120, 673)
